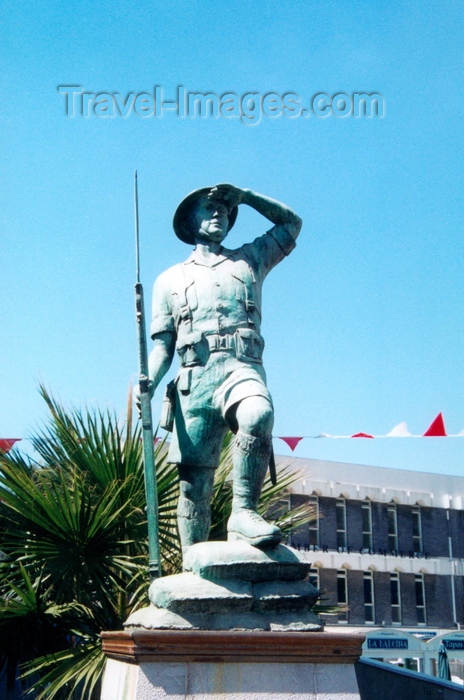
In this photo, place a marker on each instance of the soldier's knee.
(255, 416)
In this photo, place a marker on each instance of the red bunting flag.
(7, 443)
(437, 428)
(362, 435)
(292, 442)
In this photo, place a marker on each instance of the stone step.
(151, 618)
(280, 596)
(241, 561)
(189, 593)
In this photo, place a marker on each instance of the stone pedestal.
(230, 665)
(236, 625)
(233, 586)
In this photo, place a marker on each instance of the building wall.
(408, 599)
(432, 562)
(434, 521)
(459, 592)
(328, 586)
(404, 519)
(435, 531)
(300, 536)
(354, 525)
(379, 525)
(438, 597)
(382, 598)
(456, 525)
(327, 523)
(355, 597)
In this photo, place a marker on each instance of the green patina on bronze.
(209, 309)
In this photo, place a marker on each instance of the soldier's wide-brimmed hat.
(182, 223)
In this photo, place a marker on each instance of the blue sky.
(363, 322)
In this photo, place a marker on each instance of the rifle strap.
(272, 468)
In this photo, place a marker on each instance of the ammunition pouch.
(194, 350)
(249, 345)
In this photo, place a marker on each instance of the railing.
(383, 681)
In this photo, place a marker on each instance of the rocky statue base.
(236, 624)
(233, 586)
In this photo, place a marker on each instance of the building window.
(368, 597)
(420, 599)
(392, 528)
(395, 598)
(314, 524)
(416, 530)
(341, 523)
(314, 577)
(366, 511)
(342, 593)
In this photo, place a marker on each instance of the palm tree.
(73, 532)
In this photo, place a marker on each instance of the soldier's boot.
(193, 521)
(250, 460)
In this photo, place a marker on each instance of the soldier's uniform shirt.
(215, 312)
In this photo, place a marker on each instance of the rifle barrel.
(154, 559)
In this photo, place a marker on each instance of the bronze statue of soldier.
(209, 309)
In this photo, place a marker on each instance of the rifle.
(154, 561)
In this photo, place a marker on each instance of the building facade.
(387, 545)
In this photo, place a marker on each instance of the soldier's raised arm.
(276, 212)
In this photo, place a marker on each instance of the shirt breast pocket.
(244, 288)
(243, 280)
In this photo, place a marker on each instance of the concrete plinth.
(228, 665)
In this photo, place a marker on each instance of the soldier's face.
(212, 219)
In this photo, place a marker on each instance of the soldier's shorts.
(204, 394)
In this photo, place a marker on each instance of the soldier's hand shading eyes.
(229, 194)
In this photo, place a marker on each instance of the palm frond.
(31, 623)
(73, 528)
(73, 674)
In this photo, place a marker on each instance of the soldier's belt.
(245, 344)
(217, 342)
